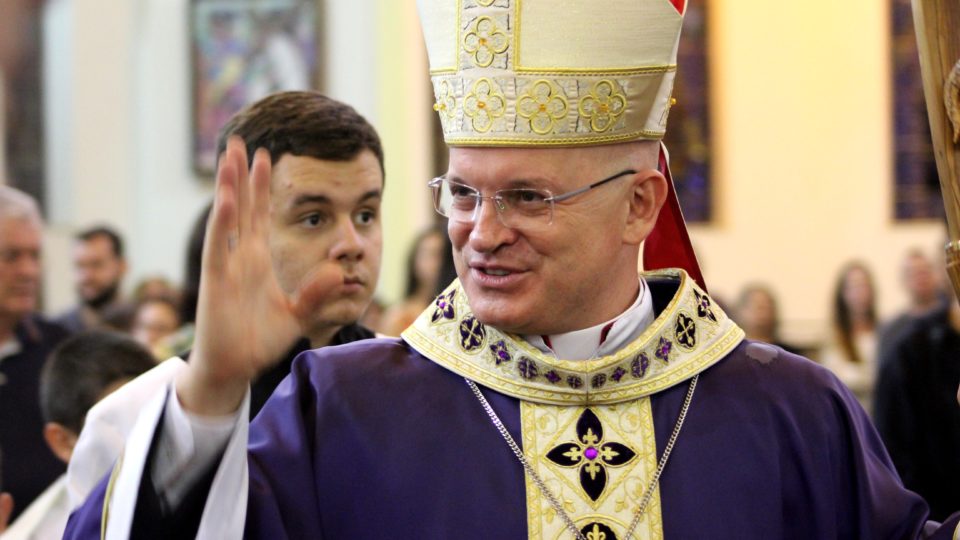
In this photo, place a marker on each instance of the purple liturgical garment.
(372, 440)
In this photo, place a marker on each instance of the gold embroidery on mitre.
(446, 103)
(615, 93)
(603, 106)
(486, 41)
(549, 427)
(544, 105)
(687, 337)
(484, 104)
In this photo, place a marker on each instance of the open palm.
(245, 321)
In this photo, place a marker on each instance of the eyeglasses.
(516, 208)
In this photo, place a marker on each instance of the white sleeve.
(188, 444)
(107, 426)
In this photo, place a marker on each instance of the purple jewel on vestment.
(592, 453)
(553, 377)
(618, 374)
(500, 353)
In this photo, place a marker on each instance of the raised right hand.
(245, 321)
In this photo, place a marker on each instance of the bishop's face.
(328, 213)
(546, 279)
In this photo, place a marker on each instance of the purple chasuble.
(373, 440)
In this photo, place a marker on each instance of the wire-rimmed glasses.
(516, 207)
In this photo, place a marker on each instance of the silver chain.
(648, 494)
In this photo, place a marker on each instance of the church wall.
(802, 145)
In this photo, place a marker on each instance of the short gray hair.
(15, 204)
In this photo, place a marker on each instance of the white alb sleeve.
(188, 444)
(107, 426)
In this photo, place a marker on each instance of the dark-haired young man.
(326, 184)
(325, 192)
(99, 266)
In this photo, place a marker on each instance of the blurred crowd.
(905, 371)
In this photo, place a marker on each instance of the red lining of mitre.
(679, 4)
(668, 245)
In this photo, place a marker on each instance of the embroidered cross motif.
(638, 368)
(444, 309)
(686, 331)
(591, 454)
(618, 374)
(500, 353)
(704, 305)
(472, 334)
(663, 349)
(528, 368)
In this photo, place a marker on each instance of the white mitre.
(551, 72)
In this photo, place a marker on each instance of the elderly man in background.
(27, 466)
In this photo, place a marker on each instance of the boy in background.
(80, 372)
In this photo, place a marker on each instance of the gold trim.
(615, 375)
(596, 72)
(575, 72)
(571, 141)
(459, 33)
(105, 514)
(516, 34)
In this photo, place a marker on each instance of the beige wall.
(119, 134)
(802, 147)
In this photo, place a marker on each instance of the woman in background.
(423, 268)
(154, 321)
(758, 315)
(852, 352)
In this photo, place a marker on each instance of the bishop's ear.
(646, 199)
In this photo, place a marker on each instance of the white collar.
(585, 344)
